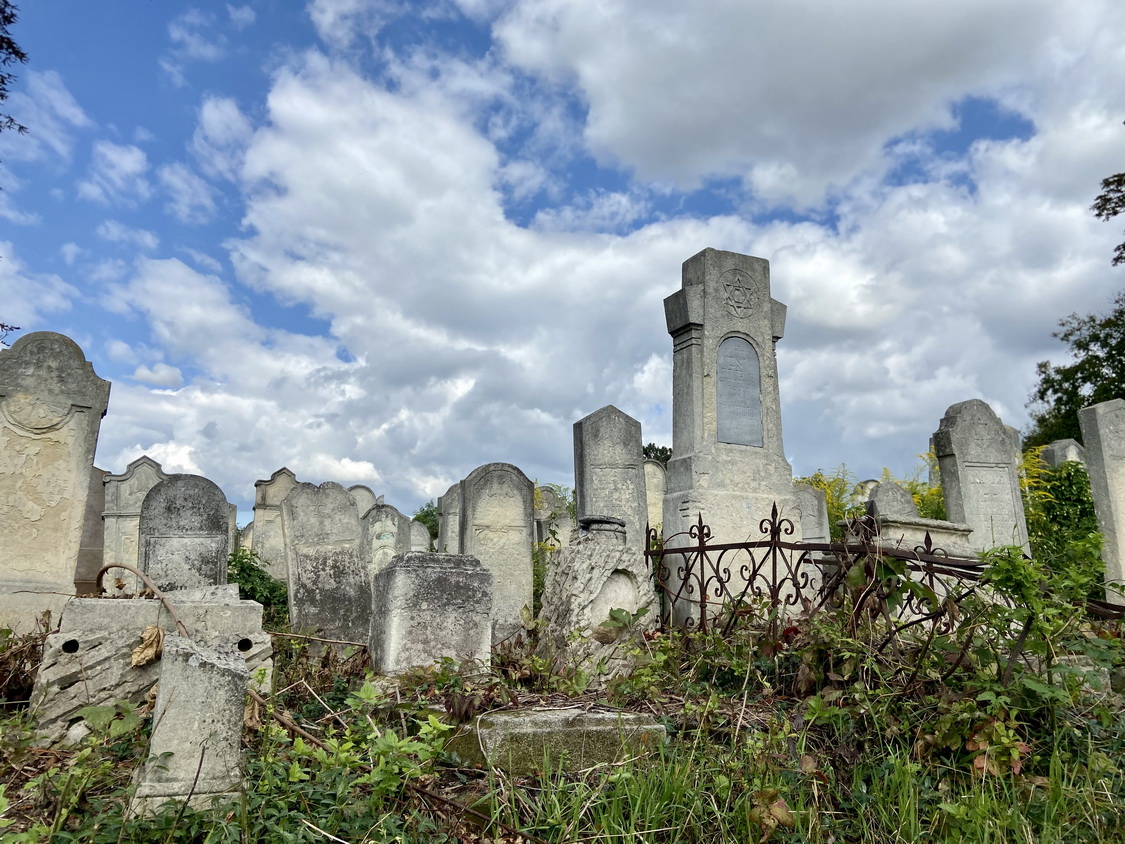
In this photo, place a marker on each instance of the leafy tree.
(1109, 203)
(427, 514)
(10, 54)
(662, 453)
(1097, 346)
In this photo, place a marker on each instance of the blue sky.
(387, 242)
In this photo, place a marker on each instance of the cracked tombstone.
(185, 533)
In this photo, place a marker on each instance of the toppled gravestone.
(89, 662)
(586, 581)
(527, 740)
(196, 745)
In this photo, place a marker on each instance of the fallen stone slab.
(89, 661)
(527, 740)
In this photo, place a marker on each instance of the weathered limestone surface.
(449, 521)
(419, 537)
(609, 477)
(728, 460)
(428, 606)
(88, 662)
(979, 460)
(269, 541)
(656, 484)
(124, 495)
(496, 528)
(329, 576)
(91, 551)
(813, 507)
(386, 532)
(364, 499)
(901, 528)
(196, 744)
(575, 739)
(1062, 451)
(185, 533)
(598, 573)
(51, 406)
(1103, 429)
(553, 523)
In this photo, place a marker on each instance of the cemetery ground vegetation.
(997, 722)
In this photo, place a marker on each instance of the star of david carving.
(736, 296)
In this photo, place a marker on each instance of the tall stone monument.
(497, 528)
(185, 533)
(979, 457)
(268, 541)
(1103, 429)
(124, 495)
(728, 462)
(609, 476)
(51, 406)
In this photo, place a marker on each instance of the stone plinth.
(524, 741)
(51, 406)
(428, 606)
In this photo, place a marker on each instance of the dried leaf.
(252, 714)
(606, 635)
(150, 700)
(150, 648)
(808, 763)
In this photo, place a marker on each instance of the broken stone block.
(427, 606)
(89, 661)
(195, 753)
(527, 740)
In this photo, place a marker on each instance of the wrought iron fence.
(704, 584)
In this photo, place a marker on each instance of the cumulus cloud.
(220, 138)
(190, 198)
(47, 106)
(193, 38)
(28, 297)
(116, 175)
(117, 232)
(159, 375)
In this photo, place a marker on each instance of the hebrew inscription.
(739, 398)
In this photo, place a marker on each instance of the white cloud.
(116, 175)
(241, 16)
(27, 298)
(117, 232)
(339, 22)
(51, 114)
(189, 197)
(193, 39)
(159, 375)
(220, 138)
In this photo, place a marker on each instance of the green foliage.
(1108, 204)
(839, 490)
(427, 514)
(1096, 345)
(244, 567)
(663, 453)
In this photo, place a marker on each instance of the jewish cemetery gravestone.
(91, 550)
(185, 533)
(496, 528)
(386, 533)
(656, 484)
(1063, 451)
(329, 577)
(268, 540)
(124, 495)
(51, 406)
(1103, 429)
(449, 521)
(609, 470)
(979, 460)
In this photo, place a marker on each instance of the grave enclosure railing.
(703, 584)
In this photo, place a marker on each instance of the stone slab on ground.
(527, 740)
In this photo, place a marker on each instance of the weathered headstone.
(51, 407)
(902, 529)
(429, 606)
(598, 573)
(813, 507)
(419, 537)
(364, 499)
(609, 475)
(185, 533)
(979, 460)
(246, 537)
(728, 460)
(891, 501)
(124, 495)
(269, 541)
(656, 484)
(449, 521)
(1063, 451)
(91, 552)
(1103, 429)
(496, 528)
(89, 661)
(329, 577)
(195, 751)
(386, 533)
(553, 524)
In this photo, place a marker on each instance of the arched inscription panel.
(739, 398)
